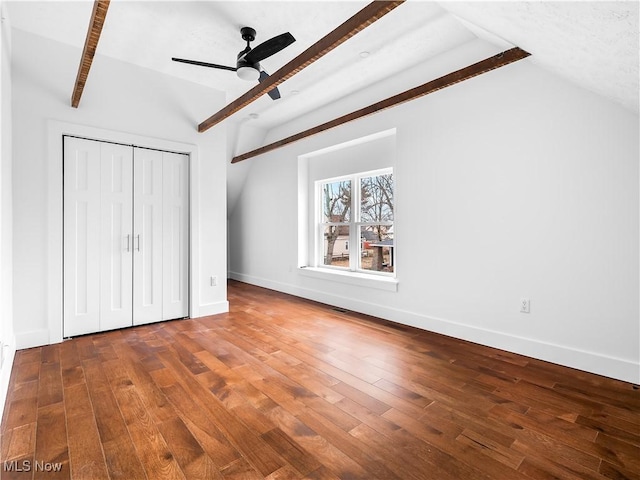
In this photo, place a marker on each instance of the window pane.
(336, 201)
(336, 246)
(377, 248)
(376, 198)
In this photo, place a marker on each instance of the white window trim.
(351, 275)
(380, 282)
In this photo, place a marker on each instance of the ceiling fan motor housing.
(247, 70)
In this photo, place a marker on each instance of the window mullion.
(353, 240)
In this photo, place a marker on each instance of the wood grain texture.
(362, 19)
(500, 60)
(285, 388)
(96, 23)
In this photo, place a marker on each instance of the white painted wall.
(120, 102)
(512, 184)
(7, 340)
(241, 136)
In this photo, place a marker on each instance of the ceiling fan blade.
(274, 93)
(270, 47)
(204, 64)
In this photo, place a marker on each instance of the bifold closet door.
(175, 236)
(147, 232)
(126, 232)
(116, 239)
(161, 233)
(98, 239)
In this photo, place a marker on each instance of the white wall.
(512, 184)
(7, 340)
(241, 136)
(120, 100)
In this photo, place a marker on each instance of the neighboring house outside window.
(355, 228)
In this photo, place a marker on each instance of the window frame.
(355, 224)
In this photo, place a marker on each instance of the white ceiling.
(593, 44)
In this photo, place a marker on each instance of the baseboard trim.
(212, 309)
(5, 375)
(591, 362)
(33, 338)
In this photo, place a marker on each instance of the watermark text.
(31, 466)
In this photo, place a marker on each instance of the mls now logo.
(28, 466)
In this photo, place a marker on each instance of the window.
(355, 227)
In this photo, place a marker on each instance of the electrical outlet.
(214, 281)
(525, 305)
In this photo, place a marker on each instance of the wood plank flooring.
(284, 388)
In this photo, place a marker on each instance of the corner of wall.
(7, 339)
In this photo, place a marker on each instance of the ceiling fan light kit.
(248, 73)
(248, 60)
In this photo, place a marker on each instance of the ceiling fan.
(248, 62)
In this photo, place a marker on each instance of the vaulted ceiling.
(593, 44)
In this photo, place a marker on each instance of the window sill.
(379, 282)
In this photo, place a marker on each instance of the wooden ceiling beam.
(365, 17)
(98, 15)
(486, 65)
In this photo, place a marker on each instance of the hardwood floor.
(285, 388)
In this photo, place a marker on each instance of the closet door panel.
(126, 236)
(147, 232)
(175, 236)
(81, 213)
(116, 268)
